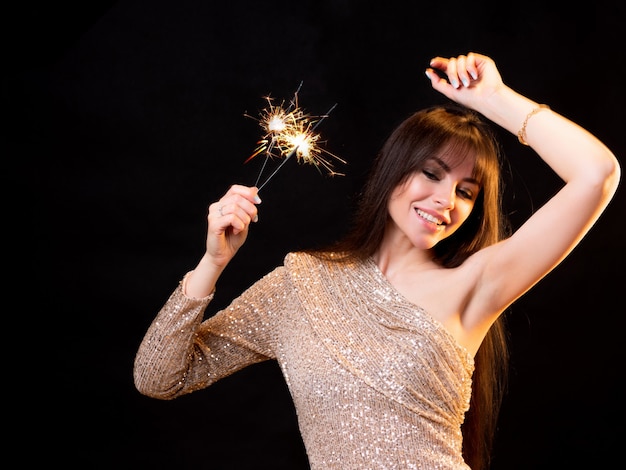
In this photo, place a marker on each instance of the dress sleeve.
(181, 352)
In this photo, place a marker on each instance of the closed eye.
(465, 194)
(431, 176)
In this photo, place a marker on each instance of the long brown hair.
(447, 131)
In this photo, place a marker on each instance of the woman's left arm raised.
(588, 168)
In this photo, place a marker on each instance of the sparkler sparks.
(290, 131)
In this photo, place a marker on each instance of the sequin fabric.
(377, 382)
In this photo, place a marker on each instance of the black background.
(124, 120)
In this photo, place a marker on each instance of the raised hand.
(229, 219)
(471, 79)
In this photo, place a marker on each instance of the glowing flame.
(290, 131)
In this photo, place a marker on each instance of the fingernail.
(257, 199)
(465, 82)
(474, 75)
(256, 218)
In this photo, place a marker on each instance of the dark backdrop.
(124, 120)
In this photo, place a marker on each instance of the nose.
(444, 198)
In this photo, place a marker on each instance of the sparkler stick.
(289, 155)
(324, 116)
(267, 157)
(294, 101)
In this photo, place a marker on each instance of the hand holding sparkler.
(229, 219)
(288, 131)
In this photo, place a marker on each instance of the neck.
(392, 260)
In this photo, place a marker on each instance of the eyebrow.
(447, 169)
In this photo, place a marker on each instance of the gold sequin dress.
(377, 383)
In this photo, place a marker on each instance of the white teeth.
(428, 217)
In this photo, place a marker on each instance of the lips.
(428, 217)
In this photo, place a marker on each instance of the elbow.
(149, 385)
(612, 176)
(604, 177)
(146, 389)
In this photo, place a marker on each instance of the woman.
(391, 341)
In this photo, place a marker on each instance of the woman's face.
(434, 202)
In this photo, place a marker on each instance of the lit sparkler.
(290, 131)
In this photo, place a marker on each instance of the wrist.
(201, 281)
(508, 109)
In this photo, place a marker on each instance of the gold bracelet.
(521, 135)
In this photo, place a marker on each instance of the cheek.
(415, 189)
(462, 212)
(394, 207)
(398, 197)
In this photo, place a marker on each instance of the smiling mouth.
(429, 217)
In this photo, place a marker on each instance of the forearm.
(163, 357)
(200, 282)
(571, 151)
(181, 352)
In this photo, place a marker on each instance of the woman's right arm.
(172, 359)
(181, 353)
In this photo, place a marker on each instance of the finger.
(452, 72)
(439, 63)
(215, 210)
(240, 217)
(462, 72)
(237, 223)
(248, 192)
(471, 66)
(227, 222)
(233, 210)
(242, 207)
(436, 81)
(217, 217)
(237, 195)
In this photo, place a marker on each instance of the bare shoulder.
(442, 292)
(458, 298)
